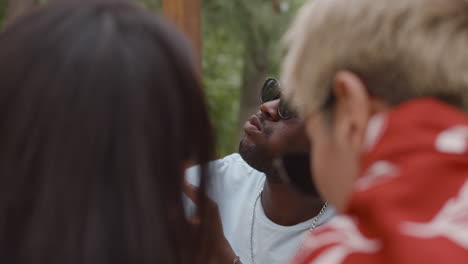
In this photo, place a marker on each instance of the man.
(383, 86)
(264, 219)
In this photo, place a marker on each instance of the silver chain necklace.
(312, 227)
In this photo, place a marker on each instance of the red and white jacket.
(410, 203)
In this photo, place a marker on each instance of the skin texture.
(261, 129)
(338, 140)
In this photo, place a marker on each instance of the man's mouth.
(253, 125)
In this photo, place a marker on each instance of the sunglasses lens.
(297, 168)
(270, 91)
(285, 111)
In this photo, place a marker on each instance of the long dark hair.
(100, 106)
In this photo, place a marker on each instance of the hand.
(223, 252)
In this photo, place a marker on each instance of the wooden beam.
(186, 14)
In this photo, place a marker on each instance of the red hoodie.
(410, 203)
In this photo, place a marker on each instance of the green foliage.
(239, 36)
(151, 4)
(3, 7)
(222, 66)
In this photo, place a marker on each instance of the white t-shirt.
(235, 187)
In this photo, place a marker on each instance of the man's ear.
(352, 110)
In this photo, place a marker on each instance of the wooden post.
(186, 14)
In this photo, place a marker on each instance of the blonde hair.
(401, 49)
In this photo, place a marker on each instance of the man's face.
(338, 134)
(267, 126)
(333, 164)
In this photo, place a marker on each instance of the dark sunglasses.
(271, 90)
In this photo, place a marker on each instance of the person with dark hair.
(100, 110)
(264, 218)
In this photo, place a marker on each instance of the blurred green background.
(240, 49)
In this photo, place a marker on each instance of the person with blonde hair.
(383, 86)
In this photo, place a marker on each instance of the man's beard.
(258, 157)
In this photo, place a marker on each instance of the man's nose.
(270, 110)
